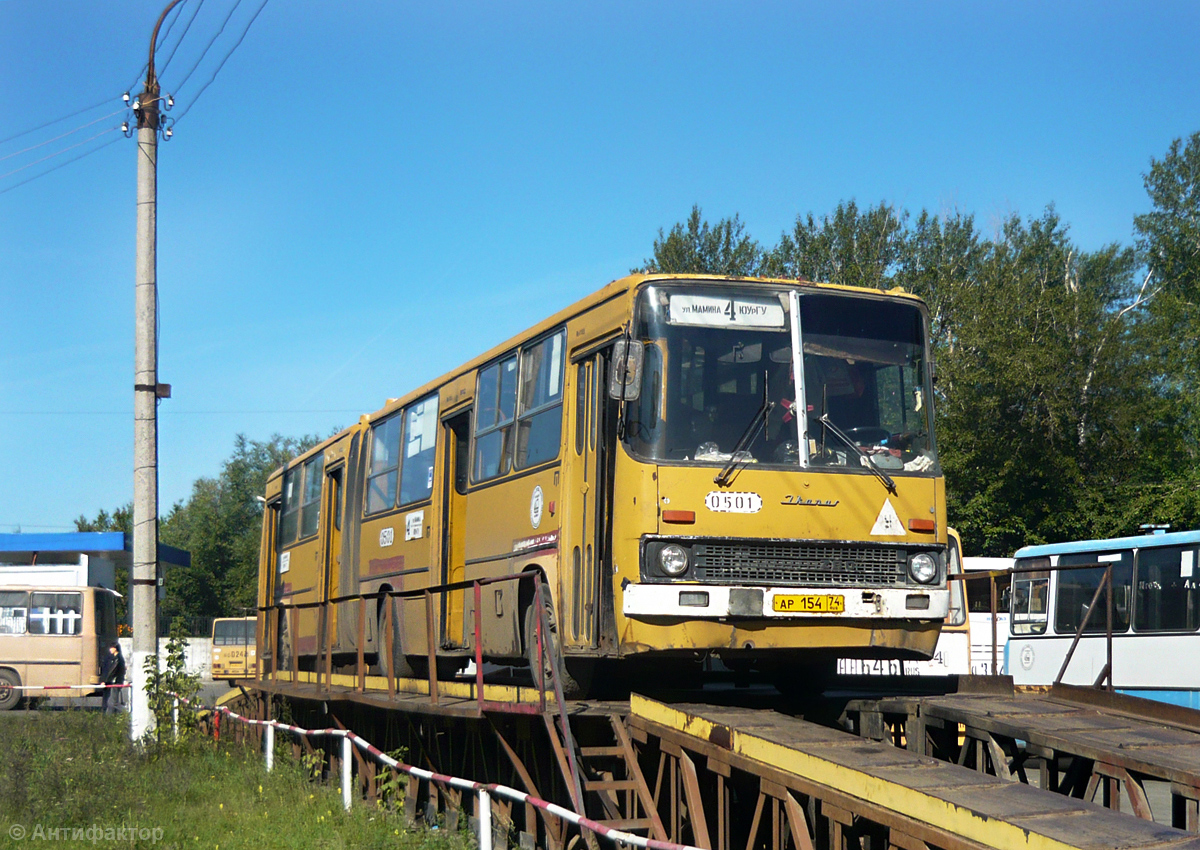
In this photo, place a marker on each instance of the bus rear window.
(106, 614)
(233, 632)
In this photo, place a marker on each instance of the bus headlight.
(673, 559)
(923, 568)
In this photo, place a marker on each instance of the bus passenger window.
(1167, 597)
(497, 400)
(289, 517)
(310, 511)
(55, 614)
(420, 436)
(539, 429)
(1076, 588)
(385, 464)
(14, 612)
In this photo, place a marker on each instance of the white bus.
(1155, 617)
(53, 637)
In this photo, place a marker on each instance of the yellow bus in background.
(234, 652)
(693, 466)
(53, 637)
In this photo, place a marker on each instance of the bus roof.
(979, 563)
(621, 287)
(1141, 541)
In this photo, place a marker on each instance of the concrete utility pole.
(146, 392)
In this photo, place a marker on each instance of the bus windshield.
(715, 358)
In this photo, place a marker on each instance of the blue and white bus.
(1155, 620)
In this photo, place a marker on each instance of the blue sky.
(370, 193)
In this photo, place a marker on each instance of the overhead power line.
(59, 120)
(170, 56)
(183, 35)
(208, 46)
(60, 153)
(141, 75)
(174, 18)
(57, 166)
(221, 65)
(62, 136)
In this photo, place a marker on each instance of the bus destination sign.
(713, 311)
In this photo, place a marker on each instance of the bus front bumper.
(695, 601)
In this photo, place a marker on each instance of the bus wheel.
(9, 695)
(576, 677)
(396, 664)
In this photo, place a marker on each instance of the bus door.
(331, 554)
(457, 432)
(272, 623)
(587, 559)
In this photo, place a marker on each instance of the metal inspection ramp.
(849, 791)
(1085, 743)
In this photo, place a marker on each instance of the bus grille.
(800, 564)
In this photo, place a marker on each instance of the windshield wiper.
(724, 477)
(848, 440)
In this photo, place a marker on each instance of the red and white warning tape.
(462, 784)
(64, 687)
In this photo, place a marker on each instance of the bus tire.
(10, 697)
(397, 663)
(576, 674)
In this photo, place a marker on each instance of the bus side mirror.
(625, 377)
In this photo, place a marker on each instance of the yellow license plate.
(808, 604)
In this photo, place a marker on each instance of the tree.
(120, 519)
(848, 247)
(940, 261)
(220, 525)
(1170, 234)
(1055, 414)
(1169, 239)
(697, 247)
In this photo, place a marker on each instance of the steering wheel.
(868, 436)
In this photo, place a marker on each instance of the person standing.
(112, 672)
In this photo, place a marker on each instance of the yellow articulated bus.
(656, 457)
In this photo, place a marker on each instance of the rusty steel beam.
(553, 826)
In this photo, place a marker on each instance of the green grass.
(77, 770)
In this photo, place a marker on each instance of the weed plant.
(77, 769)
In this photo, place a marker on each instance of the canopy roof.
(115, 546)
